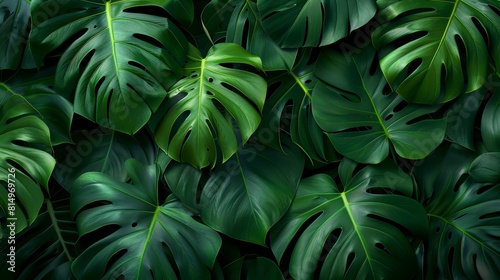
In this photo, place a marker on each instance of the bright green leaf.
(203, 103)
(119, 61)
(440, 51)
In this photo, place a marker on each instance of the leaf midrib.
(356, 229)
(112, 38)
(463, 232)
(56, 228)
(445, 32)
(148, 238)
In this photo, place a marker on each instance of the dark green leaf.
(103, 151)
(490, 123)
(486, 168)
(296, 87)
(363, 117)
(312, 23)
(245, 196)
(245, 28)
(154, 239)
(463, 216)
(14, 22)
(363, 224)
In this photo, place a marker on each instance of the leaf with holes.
(117, 61)
(313, 23)
(46, 249)
(363, 117)
(203, 104)
(37, 87)
(25, 160)
(14, 25)
(463, 214)
(101, 150)
(245, 196)
(295, 87)
(490, 123)
(245, 28)
(434, 50)
(362, 225)
(152, 239)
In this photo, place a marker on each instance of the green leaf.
(37, 88)
(362, 225)
(46, 249)
(14, 24)
(490, 123)
(195, 121)
(253, 269)
(463, 217)
(215, 18)
(245, 196)
(154, 239)
(245, 28)
(295, 86)
(116, 65)
(102, 151)
(180, 10)
(313, 23)
(24, 146)
(434, 50)
(461, 118)
(363, 117)
(486, 168)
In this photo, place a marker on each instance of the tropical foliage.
(250, 139)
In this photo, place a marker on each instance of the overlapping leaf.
(365, 223)
(361, 114)
(154, 239)
(490, 123)
(295, 87)
(13, 32)
(24, 146)
(38, 88)
(463, 215)
(312, 23)
(204, 103)
(119, 61)
(435, 50)
(245, 196)
(102, 151)
(245, 28)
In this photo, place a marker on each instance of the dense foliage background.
(250, 139)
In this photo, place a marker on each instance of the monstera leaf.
(463, 216)
(245, 28)
(37, 88)
(363, 117)
(154, 239)
(245, 196)
(435, 50)
(46, 249)
(365, 223)
(102, 151)
(25, 154)
(252, 269)
(295, 86)
(203, 103)
(118, 61)
(490, 123)
(312, 23)
(13, 32)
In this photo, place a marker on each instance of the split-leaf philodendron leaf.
(204, 103)
(363, 118)
(118, 63)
